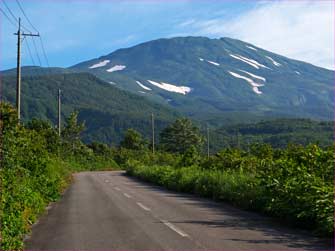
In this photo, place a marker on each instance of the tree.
(45, 129)
(190, 157)
(8, 116)
(132, 140)
(100, 148)
(180, 136)
(72, 131)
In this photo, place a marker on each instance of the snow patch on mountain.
(297, 72)
(251, 48)
(143, 86)
(112, 83)
(116, 68)
(100, 64)
(273, 61)
(142, 92)
(254, 85)
(249, 61)
(171, 88)
(254, 75)
(213, 63)
(256, 90)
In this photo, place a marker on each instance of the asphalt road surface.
(110, 211)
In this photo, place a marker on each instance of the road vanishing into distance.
(111, 211)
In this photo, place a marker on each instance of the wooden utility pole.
(59, 112)
(18, 73)
(207, 141)
(238, 139)
(153, 132)
(18, 69)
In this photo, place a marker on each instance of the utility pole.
(238, 138)
(59, 112)
(153, 132)
(207, 141)
(18, 69)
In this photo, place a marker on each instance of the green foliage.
(132, 140)
(294, 184)
(278, 133)
(28, 180)
(100, 149)
(34, 173)
(71, 134)
(190, 157)
(180, 136)
(45, 129)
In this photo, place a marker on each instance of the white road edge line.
(116, 188)
(127, 195)
(174, 228)
(142, 206)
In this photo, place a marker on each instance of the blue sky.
(78, 30)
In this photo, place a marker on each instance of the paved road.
(110, 211)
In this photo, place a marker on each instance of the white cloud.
(187, 23)
(303, 30)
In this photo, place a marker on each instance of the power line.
(36, 51)
(10, 12)
(6, 16)
(43, 50)
(24, 13)
(14, 17)
(30, 54)
(31, 24)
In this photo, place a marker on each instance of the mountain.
(216, 81)
(107, 110)
(222, 78)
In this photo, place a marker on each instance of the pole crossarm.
(28, 34)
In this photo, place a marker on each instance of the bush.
(295, 184)
(35, 167)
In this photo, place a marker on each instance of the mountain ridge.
(208, 78)
(219, 72)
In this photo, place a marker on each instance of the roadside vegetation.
(36, 166)
(293, 183)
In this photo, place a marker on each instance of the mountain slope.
(205, 77)
(108, 111)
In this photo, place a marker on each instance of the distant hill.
(37, 71)
(279, 133)
(107, 110)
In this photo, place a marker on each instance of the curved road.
(110, 211)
